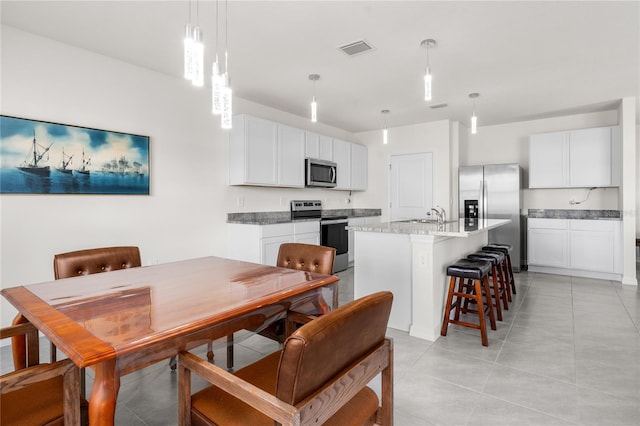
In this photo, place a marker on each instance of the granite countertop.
(271, 218)
(458, 228)
(575, 214)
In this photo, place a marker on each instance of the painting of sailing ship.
(40, 157)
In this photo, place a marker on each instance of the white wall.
(425, 137)
(185, 214)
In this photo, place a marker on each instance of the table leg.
(102, 404)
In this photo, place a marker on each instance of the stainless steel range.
(333, 229)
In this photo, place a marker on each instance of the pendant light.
(226, 119)
(427, 44)
(314, 104)
(188, 48)
(385, 129)
(217, 79)
(474, 118)
(198, 58)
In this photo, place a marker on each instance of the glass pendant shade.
(198, 58)
(188, 52)
(314, 110)
(427, 84)
(217, 84)
(474, 124)
(226, 119)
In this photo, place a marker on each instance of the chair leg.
(54, 353)
(505, 273)
(504, 288)
(483, 323)
(487, 291)
(447, 308)
(496, 293)
(513, 281)
(210, 351)
(230, 352)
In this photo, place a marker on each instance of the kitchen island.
(410, 258)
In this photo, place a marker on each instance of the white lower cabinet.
(578, 247)
(548, 247)
(592, 245)
(261, 243)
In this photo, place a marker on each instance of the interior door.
(411, 185)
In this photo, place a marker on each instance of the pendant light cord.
(217, 30)
(226, 37)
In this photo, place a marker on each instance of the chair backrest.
(326, 346)
(36, 394)
(92, 261)
(76, 263)
(306, 257)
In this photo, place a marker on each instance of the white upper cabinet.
(590, 157)
(358, 167)
(262, 152)
(253, 150)
(547, 157)
(291, 151)
(576, 158)
(318, 146)
(266, 153)
(312, 145)
(342, 157)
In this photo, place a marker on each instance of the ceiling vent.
(356, 48)
(438, 106)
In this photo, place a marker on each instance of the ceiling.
(527, 60)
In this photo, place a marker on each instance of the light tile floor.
(566, 353)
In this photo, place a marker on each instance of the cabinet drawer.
(537, 223)
(276, 230)
(592, 225)
(306, 226)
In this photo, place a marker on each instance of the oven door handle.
(333, 222)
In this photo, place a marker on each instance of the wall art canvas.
(39, 157)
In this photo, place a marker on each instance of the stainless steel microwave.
(320, 173)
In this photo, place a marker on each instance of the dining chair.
(302, 257)
(38, 394)
(319, 377)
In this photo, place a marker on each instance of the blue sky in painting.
(16, 137)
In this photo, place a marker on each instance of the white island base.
(414, 267)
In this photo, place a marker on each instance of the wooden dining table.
(121, 321)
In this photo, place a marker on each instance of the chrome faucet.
(438, 214)
(441, 215)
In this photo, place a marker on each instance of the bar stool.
(506, 250)
(499, 285)
(475, 273)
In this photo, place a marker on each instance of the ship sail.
(33, 166)
(83, 168)
(64, 164)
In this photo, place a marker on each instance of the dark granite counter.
(270, 218)
(575, 214)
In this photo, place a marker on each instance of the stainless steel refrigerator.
(496, 188)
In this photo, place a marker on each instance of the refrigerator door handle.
(485, 200)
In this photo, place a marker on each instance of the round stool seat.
(505, 248)
(465, 268)
(496, 258)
